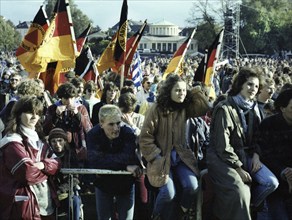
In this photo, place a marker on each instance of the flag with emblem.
(59, 42)
(121, 43)
(32, 40)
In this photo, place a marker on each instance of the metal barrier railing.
(93, 171)
(72, 171)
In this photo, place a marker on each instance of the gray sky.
(107, 13)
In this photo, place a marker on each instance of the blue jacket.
(114, 154)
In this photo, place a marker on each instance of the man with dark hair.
(275, 139)
(11, 91)
(71, 116)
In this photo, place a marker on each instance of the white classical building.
(164, 37)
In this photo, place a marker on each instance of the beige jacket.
(160, 134)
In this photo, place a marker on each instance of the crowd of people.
(163, 134)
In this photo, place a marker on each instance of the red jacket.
(17, 174)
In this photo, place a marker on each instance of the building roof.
(133, 26)
(23, 25)
(164, 23)
(164, 38)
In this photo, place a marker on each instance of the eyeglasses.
(14, 79)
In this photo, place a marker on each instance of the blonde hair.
(108, 111)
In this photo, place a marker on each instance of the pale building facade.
(164, 37)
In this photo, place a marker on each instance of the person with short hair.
(112, 146)
(79, 84)
(265, 95)
(11, 91)
(143, 93)
(26, 191)
(275, 139)
(72, 117)
(70, 75)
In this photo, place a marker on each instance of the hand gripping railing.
(71, 172)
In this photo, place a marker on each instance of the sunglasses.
(90, 90)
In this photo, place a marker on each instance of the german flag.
(205, 69)
(51, 76)
(59, 43)
(67, 65)
(176, 61)
(213, 53)
(32, 40)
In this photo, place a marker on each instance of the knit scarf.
(244, 107)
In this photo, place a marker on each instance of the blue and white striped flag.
(136, 70)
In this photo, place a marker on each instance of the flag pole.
(205, 64)
(217, 53)
(71, 27)
(141, 30)
(121, 43)
(182, 57)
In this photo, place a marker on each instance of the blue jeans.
(76, 207)
(166, 194)
(266, 183)
(105, 204)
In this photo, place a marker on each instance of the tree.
(9, 37)
(203, 16)
(266, 25)
(80, 20)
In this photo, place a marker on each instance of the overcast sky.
(107, 13)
